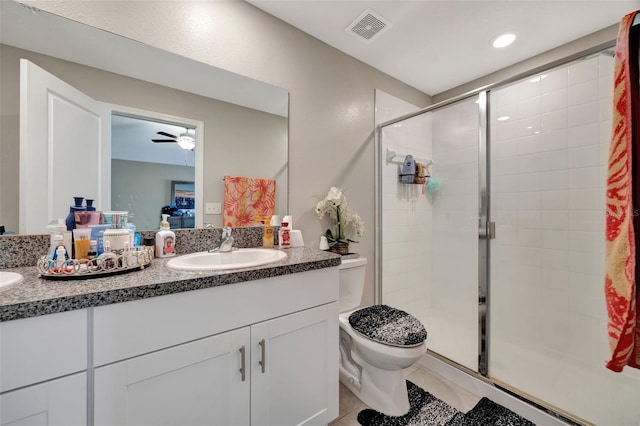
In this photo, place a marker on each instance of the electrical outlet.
(212, 208)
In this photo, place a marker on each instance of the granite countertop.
(37, 296)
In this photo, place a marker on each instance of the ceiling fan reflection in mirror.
(186, 140)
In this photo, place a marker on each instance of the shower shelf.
(415, 179)
(394, 157)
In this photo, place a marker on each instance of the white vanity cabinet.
(293, 368)
(197, 383)
(43, 363)
(261, 352)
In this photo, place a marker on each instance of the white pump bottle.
(165, 239)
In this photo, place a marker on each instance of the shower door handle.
(488, 231)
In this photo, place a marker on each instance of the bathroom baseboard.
(482, 387)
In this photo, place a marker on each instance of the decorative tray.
(107, 264)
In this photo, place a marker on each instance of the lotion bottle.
(267, 236)
(284, 236)
(165, 239)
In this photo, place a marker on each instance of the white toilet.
(372, 352)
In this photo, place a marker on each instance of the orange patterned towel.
(244, 198)
(620, 279)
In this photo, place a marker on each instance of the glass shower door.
(548, 334)
(430, 234)
(454, 295)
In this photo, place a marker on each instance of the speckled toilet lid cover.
(387, 325)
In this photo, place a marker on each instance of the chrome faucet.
(226, 242)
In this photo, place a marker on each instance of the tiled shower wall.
(548, 333)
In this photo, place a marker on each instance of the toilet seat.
(389, 326)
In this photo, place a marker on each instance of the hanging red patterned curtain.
(623, 204)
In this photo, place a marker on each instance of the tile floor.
(438, 386)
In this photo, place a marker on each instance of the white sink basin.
(242, 258)
(8, 278)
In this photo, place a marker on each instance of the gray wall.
(331, 120)
(230, 131)
(150, 187)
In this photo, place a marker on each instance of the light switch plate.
(212, 208)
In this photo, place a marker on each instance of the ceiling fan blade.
(163, 140)
(169, 135)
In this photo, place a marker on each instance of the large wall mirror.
(240, 125)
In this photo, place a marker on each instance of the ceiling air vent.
(368, 26)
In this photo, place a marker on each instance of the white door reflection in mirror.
(64, 149)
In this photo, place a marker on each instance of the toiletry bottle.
(60, 228)
(267, 234)
(128, 258)
(57, 230)
(165, 239)
(71, 217)
(93, 249)
(56, 241)
(92, 255)
(61, 258)
(131, 227)
(284, 237)
(68, 241)
(150, 244)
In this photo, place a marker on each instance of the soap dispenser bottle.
(165, 239)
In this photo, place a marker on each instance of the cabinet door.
(197, 383)
(299, 382)
(61, 402)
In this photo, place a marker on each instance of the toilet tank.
(352, 274)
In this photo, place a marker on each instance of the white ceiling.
(436, 45)
(131, 140)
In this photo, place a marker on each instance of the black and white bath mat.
(427, 410)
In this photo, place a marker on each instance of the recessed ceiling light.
(503, 118)
(503, 40)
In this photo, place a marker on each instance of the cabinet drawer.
(41, 348)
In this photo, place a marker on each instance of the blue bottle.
(70, 221)
(408, 173)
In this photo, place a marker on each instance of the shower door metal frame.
(486, 231)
